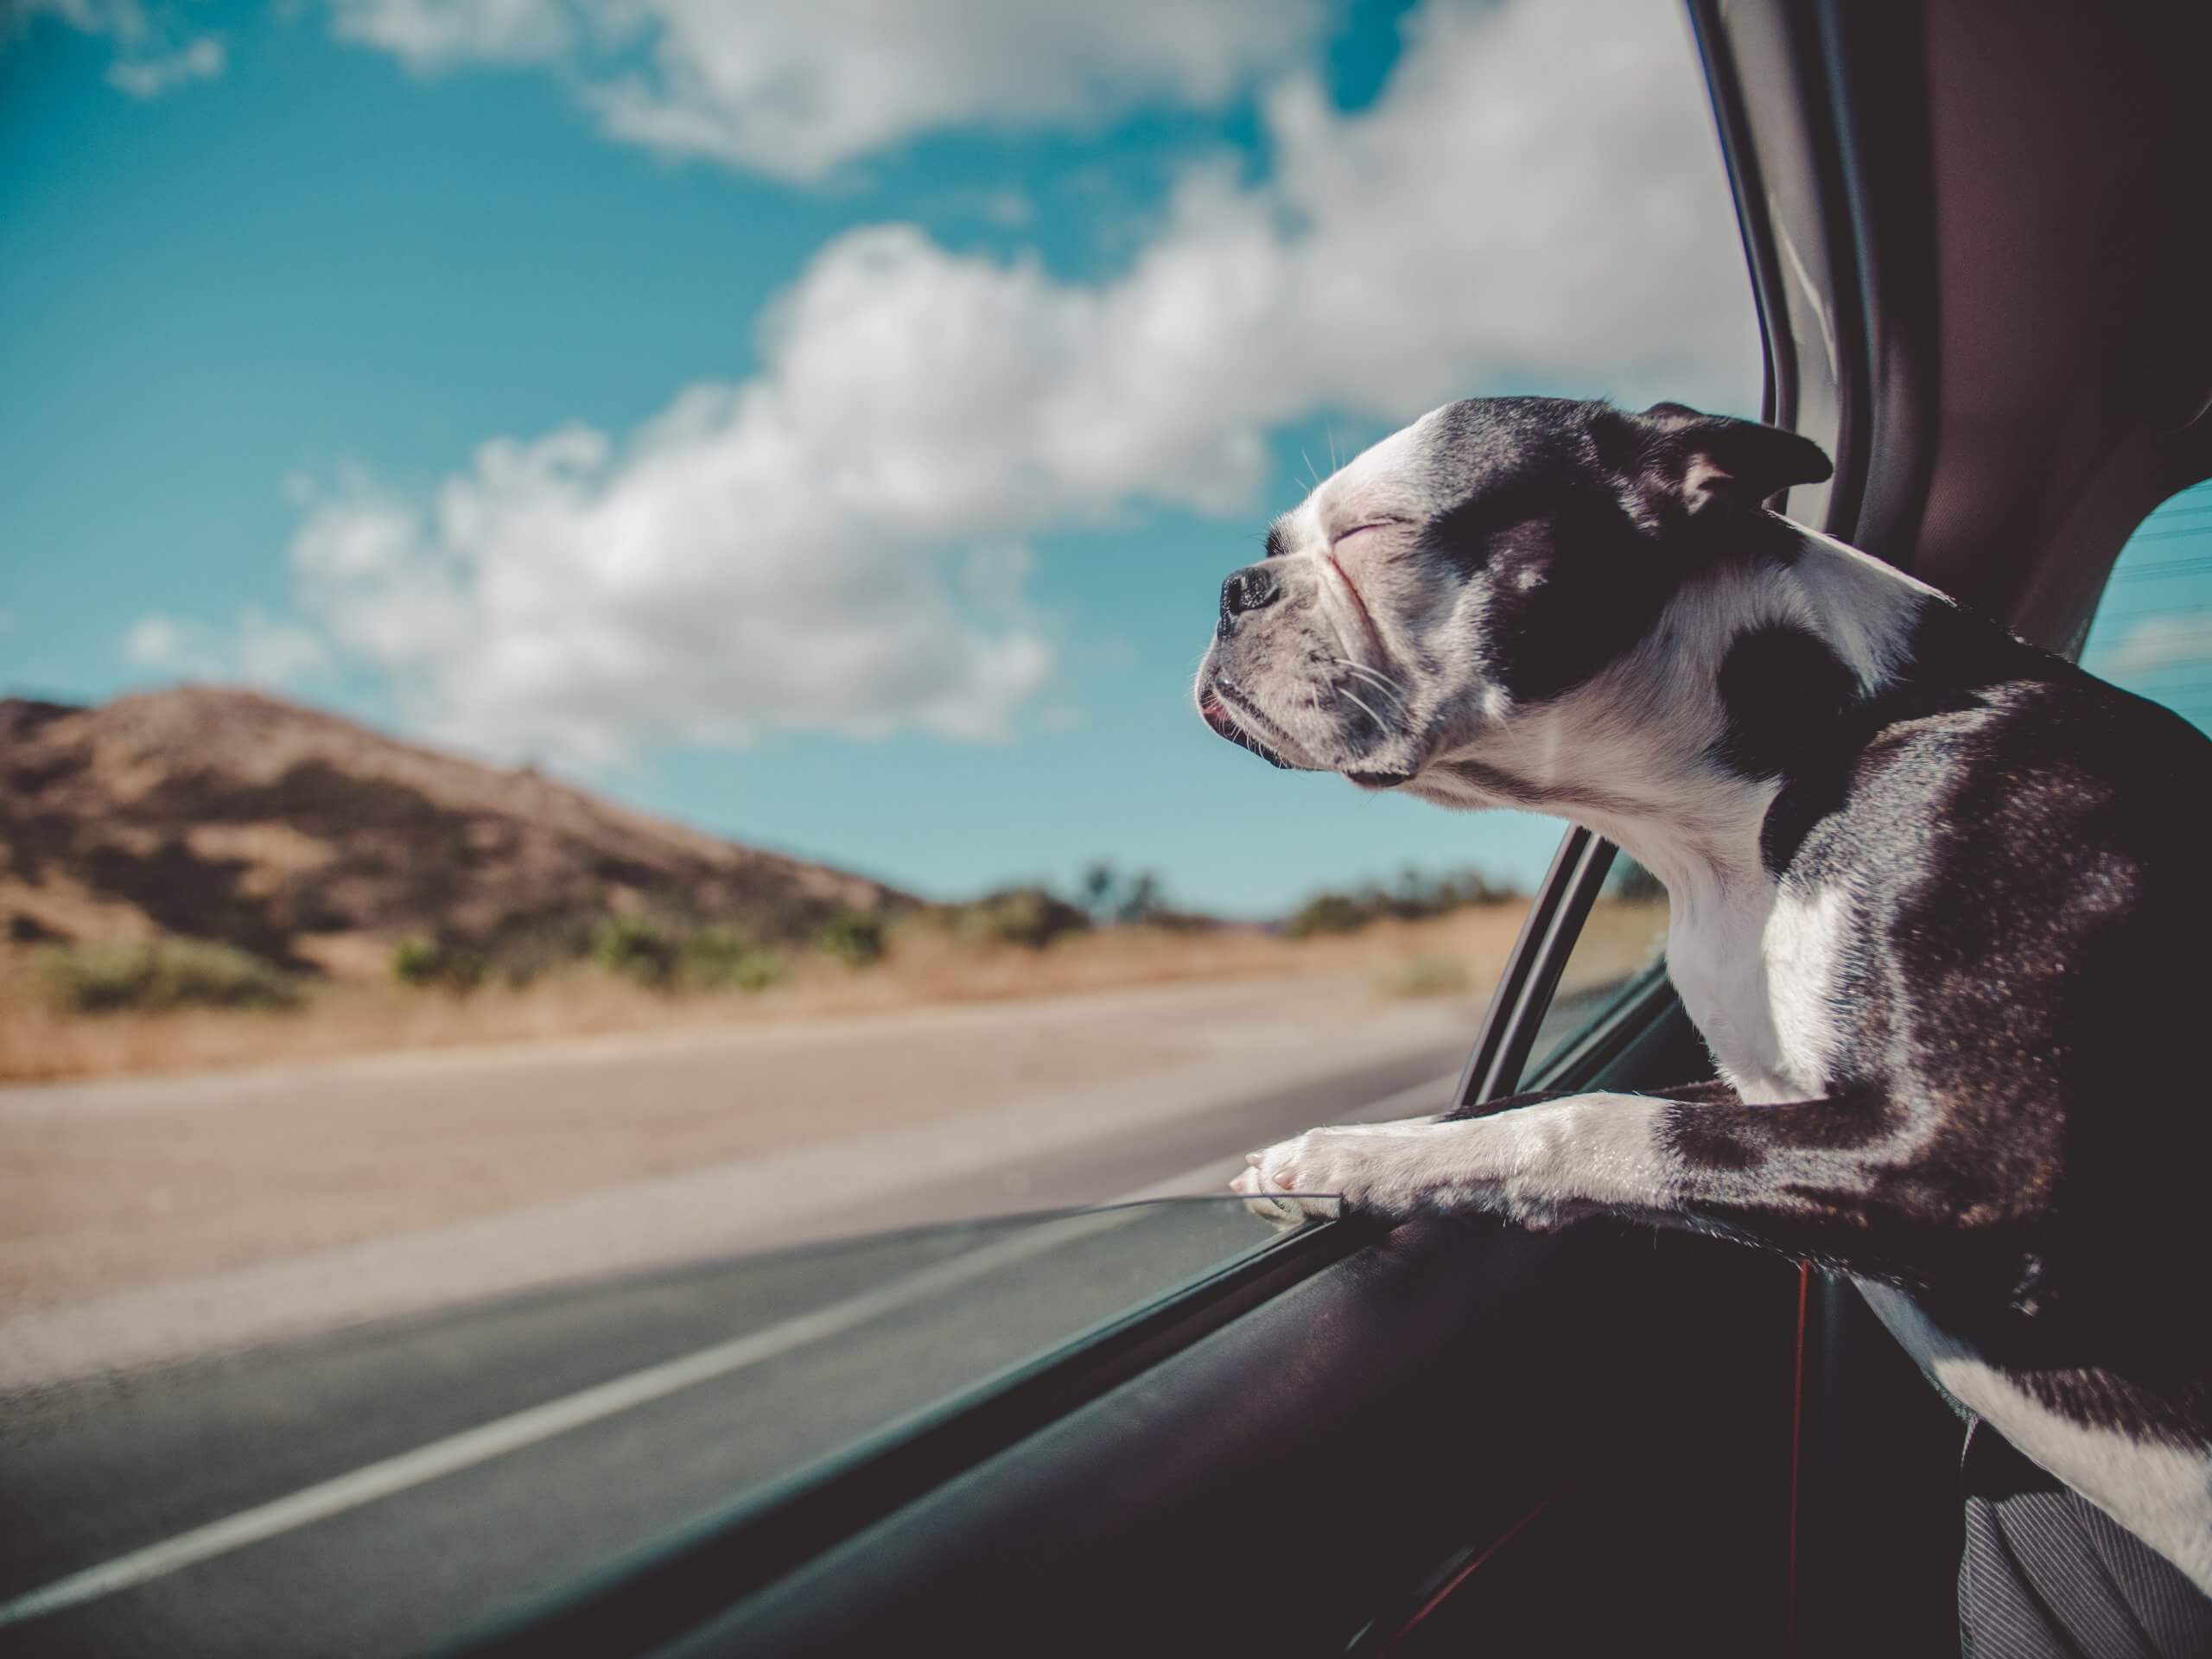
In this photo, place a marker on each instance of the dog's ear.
(1704, 462)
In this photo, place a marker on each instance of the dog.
(1940, 901)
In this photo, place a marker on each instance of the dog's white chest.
(1758, 975)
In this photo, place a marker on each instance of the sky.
(825, 423)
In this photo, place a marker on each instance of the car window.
(1623, 941)
(2152, 633)
(728, 1382)
(596, 731)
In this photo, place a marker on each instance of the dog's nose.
(1251, 588)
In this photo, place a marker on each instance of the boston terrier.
(1940, 903)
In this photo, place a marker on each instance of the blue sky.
(2153, 632)
(833, 435)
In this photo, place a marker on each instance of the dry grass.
(40, 1041)
(1466, 949)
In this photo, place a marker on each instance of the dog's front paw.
(1370, 1171)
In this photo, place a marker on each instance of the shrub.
(1414, 898)
(1328, 913)
(636, 948)
(165, 974)
(415, 962)
(1028, 916)
(425, 963)
(717, 959)
(853, 937)
(668, 958)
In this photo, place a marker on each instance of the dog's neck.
(1636, 754)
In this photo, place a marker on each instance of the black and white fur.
(1940, 903)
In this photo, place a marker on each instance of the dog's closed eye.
(1344, 535)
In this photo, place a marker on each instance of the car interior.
(1976, 238)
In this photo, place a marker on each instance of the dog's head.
(1487, 560)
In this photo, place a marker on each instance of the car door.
(1460, 1436)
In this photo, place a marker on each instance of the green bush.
(636, 949)
(853, 937)
(415, 962)
(669, 958)
(1028, 916)
(1328, 913)
(1415, 896)
(717, 959)
(166, 974)
(425, 963)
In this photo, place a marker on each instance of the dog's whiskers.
(1381, 682)
(1346, 692)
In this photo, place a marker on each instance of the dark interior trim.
(1723, 91)
(1873, 60)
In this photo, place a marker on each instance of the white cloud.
(560, 598)
(272, 652)
(2155, 643)
(165, 642)
(154, 53)
(150, 76)
(796, 90)
(840, 543)
(429, 35)
(262, 650)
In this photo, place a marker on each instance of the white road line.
(523, 1428)
(511, 1434)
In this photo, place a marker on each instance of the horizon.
(1066, 886)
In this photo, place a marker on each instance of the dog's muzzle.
(1216, 715)
(1252, 589)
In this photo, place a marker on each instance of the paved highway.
(375, 1489)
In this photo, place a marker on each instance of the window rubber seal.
(1532, 973)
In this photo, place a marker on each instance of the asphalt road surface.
(378, 1489)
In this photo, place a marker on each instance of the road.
(376, 1487)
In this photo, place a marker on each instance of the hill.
(217, 813)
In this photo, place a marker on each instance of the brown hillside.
(223, 814)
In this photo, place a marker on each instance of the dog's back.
(1936, 897)
(2021, 849)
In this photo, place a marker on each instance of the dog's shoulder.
(1979, 744)
(2010, 854)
